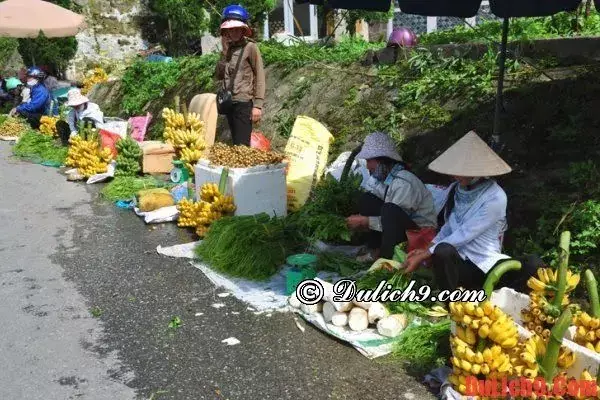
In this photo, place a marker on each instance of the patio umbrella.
(502, 8)
(26, 18)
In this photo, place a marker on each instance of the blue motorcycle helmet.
(36, 73)
(235, 12)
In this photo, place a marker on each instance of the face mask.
(381, 172)
(31, 82)
(80, 108)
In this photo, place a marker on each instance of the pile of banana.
(98, 75)
(540, 316)
(212, 206)
(186, 134)
(474, 323)
(128, 158)
(87, 157)
(588, 331)
(48, 125)
(14, 127)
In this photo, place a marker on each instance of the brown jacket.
(249, 84)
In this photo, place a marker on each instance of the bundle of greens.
(128, 158)
(339, 263)
(126, 187)
(323, 217)
(251, 247)
(424, 347)
(40, 148)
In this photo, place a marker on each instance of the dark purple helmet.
(402, 37)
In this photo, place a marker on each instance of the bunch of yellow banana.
(98, 75)
(48, 125)
(486, 321)
(177, 120)
(547, 282)
(209, 191)
(87, 157)
(529, 354)
(587, 392)
(190, 157)
(588, 331)
(212, 206)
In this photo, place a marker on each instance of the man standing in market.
(241, 72)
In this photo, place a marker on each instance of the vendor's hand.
(415, 258)
(256, 115)
(12, 112)
(357, 222)
(225, 43)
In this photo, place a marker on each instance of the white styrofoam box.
(255, 190)
(512, 302)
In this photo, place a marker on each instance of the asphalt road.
(85, 304)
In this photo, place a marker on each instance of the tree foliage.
(7, 48)
(52, 52)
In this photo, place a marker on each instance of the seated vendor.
(397, 200)
(40, 102)
(469, 243)
(15, 90)
(82, 110)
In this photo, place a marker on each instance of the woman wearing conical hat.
(473, 221)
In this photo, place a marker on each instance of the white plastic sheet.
(110, 172)
(165, 214)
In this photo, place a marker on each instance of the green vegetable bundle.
(323, 217)
(424, 347)
(343, 265)
(40, 148)
(129, 157)
(251, 247)
(126, 187)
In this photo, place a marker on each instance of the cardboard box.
(158, 157)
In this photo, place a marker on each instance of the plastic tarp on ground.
(270, 296)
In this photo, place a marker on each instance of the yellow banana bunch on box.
(588, 331)
(186, 133)
(200, 215)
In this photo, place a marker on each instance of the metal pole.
(499, 97)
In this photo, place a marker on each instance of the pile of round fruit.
(241, 156)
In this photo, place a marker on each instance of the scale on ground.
(179, 174)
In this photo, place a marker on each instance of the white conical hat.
(470, 157)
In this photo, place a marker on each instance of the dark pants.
(32, 118)
(394, 223)
(452, 272)
(64, 132)
(240, 122)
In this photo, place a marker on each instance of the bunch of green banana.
(128, 158)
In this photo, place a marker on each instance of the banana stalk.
(223, 181)
(563, 265)
(495, 275)
(592, 288)
(491, 281)
(548, 364)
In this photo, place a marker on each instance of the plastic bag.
(307, 150)
(420, 238)
(259, 141)
(180, 192)
(139, 126)
(109, 139)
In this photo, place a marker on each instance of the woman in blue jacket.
(40, 102)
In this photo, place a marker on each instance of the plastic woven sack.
(139, 126)
(109, 139)
(260, 141)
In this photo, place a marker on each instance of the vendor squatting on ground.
(82, 111)
(472, 221)
(247, 83)
(41, 101)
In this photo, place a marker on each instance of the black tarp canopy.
(465, 9)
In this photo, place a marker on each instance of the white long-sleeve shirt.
(92, 111)
(478, 237)
(405, 190)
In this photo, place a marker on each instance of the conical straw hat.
(470, 157)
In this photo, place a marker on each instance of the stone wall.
(113, 33)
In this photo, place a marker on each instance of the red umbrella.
(26, 18)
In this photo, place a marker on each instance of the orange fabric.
(259, 141)
(109, 139)
(420, 238)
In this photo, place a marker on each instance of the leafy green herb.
(40, 148)
(96, 312)
(175, 323)
(424, 347)
(126, 187)
(251, 247)
(335, 262)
